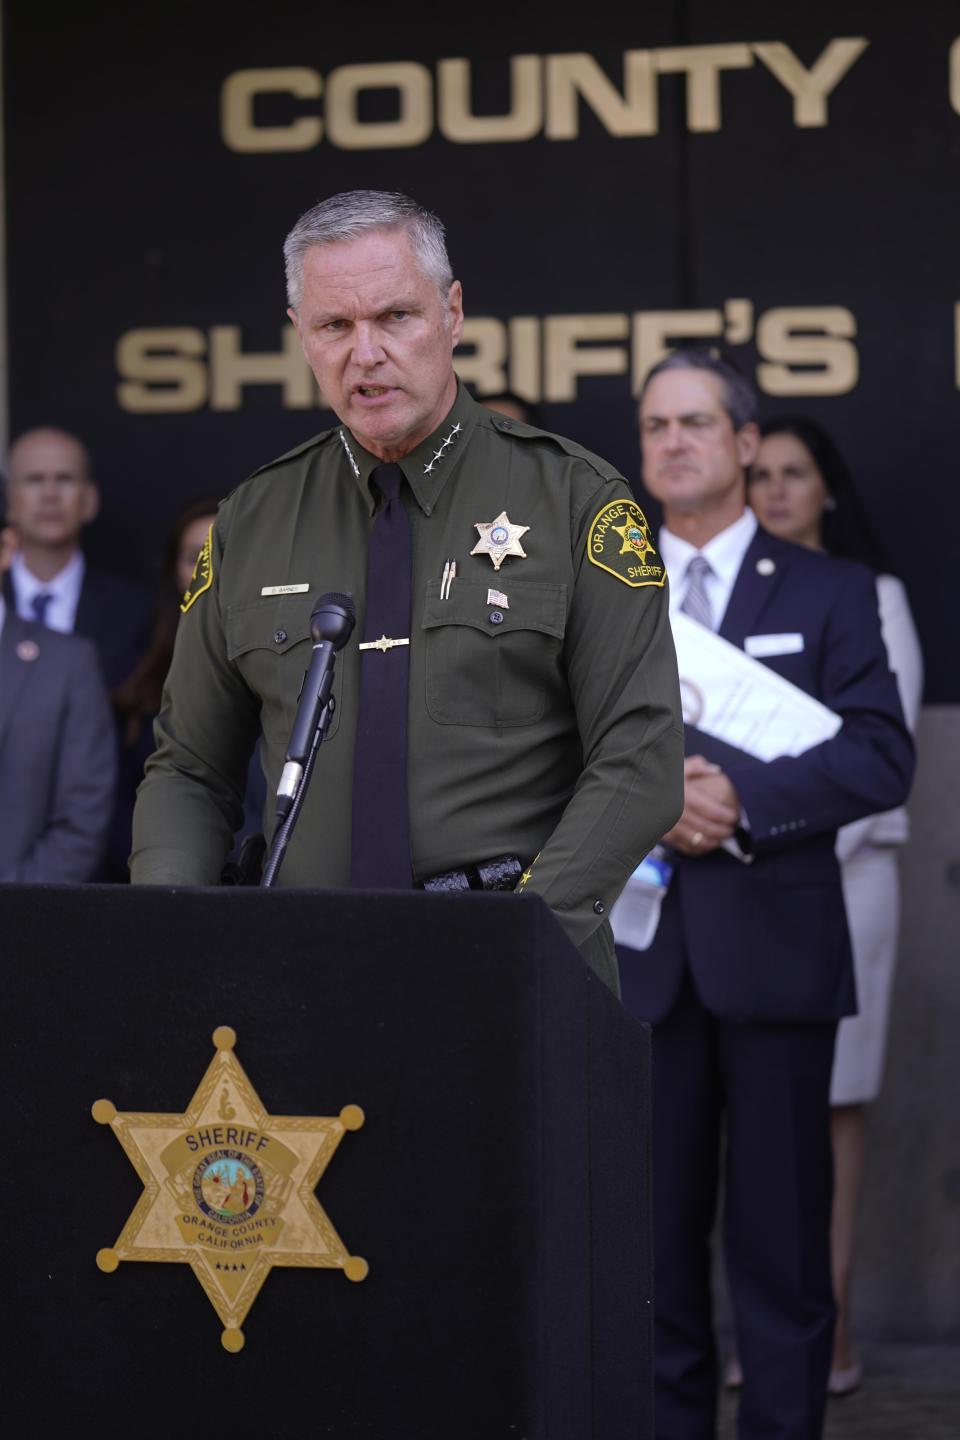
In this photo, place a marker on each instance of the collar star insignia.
(636, 539)
(229, 1189)
(500, 538)
(351, 458)
(438, 456)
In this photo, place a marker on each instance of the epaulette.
(522, 431)
(313, 443)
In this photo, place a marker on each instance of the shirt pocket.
(490, 665)
(269, 642)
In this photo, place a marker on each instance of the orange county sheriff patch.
(619, 542)
(202, 577)
(229, 1189)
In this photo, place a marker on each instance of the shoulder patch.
(618, 541)
(202, 577)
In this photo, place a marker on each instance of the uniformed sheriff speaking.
(543, 712)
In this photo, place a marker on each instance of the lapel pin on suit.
(28, 650)
(765, 566)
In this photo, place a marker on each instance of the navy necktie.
(39, 604)
(380, 843)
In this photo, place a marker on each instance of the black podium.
(499, 1187)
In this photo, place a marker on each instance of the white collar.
(725, 551)
(68, 579)
(64, 589)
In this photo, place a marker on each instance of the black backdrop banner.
(777, 179)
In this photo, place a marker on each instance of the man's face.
(379, 339)
(693, 459)
(50, 496)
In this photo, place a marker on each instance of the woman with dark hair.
(137, 700)
(801, 490)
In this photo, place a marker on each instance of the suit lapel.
(87, 616)
(9, 594)
(758, 580)
(13, 671)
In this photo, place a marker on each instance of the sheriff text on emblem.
(619, 542)
(229, 1189)
(499, 538)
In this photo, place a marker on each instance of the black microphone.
(331, 626)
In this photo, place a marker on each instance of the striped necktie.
(696, 601)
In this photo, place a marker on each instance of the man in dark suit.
(52, 497)
(750, 968)
(57, 760)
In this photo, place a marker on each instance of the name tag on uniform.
(284, 589)
(760, 646)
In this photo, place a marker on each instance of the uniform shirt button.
(506, 424)
(279, 636)
(495, 617)
(599, 908)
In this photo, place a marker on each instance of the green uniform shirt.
(554, 735)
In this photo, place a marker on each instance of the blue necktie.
(40, 604)
(380, 837)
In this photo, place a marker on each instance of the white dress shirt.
(725, 553)
(64, 587)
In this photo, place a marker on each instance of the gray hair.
(739, 395)
(347, 216)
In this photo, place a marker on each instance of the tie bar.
(382, 644)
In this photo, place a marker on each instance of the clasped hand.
(711, 809)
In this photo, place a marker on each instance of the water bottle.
(636, 914)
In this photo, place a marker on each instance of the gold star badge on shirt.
(499, 538)
(229, 1189)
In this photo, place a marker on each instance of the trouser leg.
(687, 1106)
(777, 1222)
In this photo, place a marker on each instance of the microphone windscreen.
(333, 619)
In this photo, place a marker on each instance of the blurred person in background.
(57, 750)
(801, 489)
(749, 969)
(137, 700)
(52, 497)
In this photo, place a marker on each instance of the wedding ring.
(696, 838)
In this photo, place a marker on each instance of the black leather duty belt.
(501, 873)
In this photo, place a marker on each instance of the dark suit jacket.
(57, 755)
(768, 940)
(118, 617)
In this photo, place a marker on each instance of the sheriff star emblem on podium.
(499, 538)
(229, 1189)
